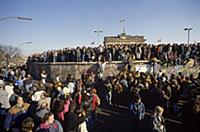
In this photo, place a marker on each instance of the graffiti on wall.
(76, 70)
(185, 70)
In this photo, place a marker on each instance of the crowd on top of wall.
(171, 54)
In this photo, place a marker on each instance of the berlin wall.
(76, 69)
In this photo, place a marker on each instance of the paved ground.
(117, 119)
(112, 119)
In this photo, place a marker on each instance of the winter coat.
(4, 100)
(14, 110)
(137, 111)
(157, 123)
(54, 127)
(15, 114)
(70, 122)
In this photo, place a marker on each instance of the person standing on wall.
(43, 76)
(101, 68)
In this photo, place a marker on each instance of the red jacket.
(95, 102)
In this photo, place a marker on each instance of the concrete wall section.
(76, 69)
(63, 69)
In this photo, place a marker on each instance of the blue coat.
(137, 110)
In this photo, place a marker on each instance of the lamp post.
(10, 55)
(17, 48)
(98, 33)
(188, 30)
(16, 17)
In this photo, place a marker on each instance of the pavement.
(117, 119)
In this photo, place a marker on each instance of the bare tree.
(9, 53)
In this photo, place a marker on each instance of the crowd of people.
(28, 105)
(71, 105)
(170, 54)
(159, 90)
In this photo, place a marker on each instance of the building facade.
(123, 39)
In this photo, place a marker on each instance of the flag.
(123, 20)
(159, 41)
(92, 43)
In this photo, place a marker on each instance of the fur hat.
(66, 90)
(37, 96)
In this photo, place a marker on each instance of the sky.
(70, 23)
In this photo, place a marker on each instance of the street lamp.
(17, 48)
(16, 17)
(11, 54)
(188, 30)
(98, 33)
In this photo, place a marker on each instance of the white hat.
(37, 96)
(88, 94)
(66, 90)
